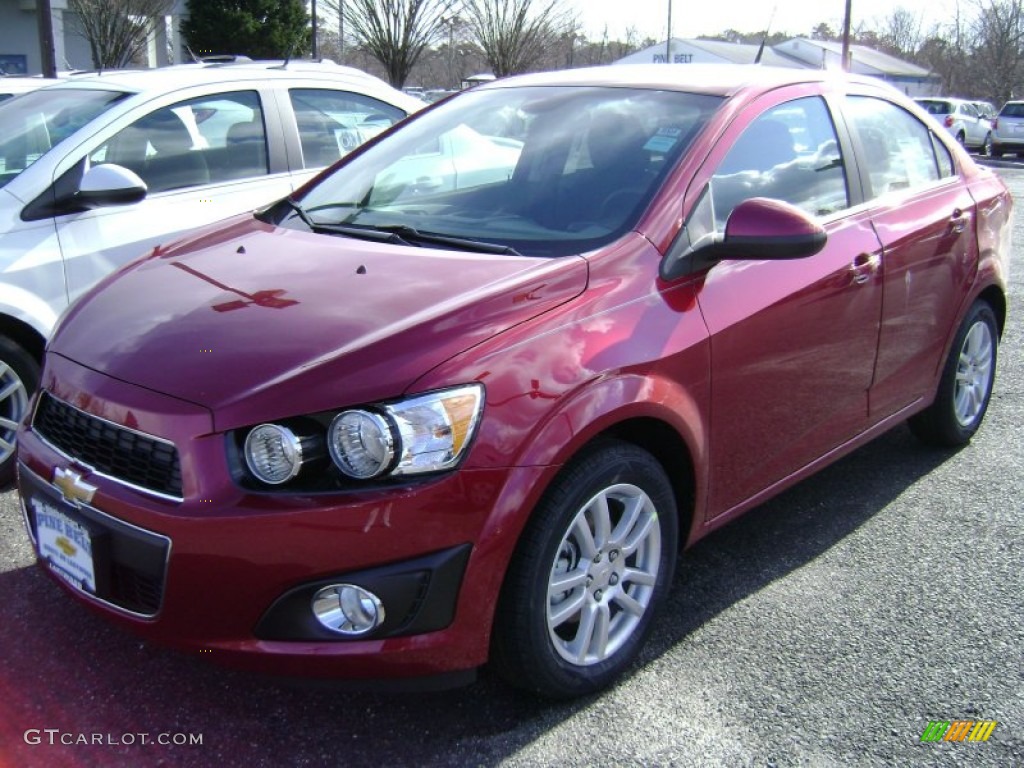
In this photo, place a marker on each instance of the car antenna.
(195, 59)
(287, 55)
(764, 39)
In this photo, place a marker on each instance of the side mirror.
(758, 228)
(110, 184)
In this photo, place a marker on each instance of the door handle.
(958, 221)
(864, 267)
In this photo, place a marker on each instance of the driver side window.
(789, 153)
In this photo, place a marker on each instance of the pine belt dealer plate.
(64, 542)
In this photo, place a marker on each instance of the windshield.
(539, 171)
(35, 122)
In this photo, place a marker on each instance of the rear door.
(322, 124)
(926, 220)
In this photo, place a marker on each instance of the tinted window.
(200, 141)
(935, 107)
(333, 123)
(1012, 110)
(897, 149)
(788, 153)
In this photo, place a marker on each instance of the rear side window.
(333, 123)
(897, 150)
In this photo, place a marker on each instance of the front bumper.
(230, 572)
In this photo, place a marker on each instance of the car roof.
(166, 79)
(15, 84)
(711, 79)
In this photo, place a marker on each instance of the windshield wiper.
(375, 234)
(413, 235)
(301, 212)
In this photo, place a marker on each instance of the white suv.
(98, 170)
(1008, 129)
(963, 120)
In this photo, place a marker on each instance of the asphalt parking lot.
(826, 628)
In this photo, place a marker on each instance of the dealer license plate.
(65, 544)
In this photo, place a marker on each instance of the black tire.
(966, 384)
(997, 152)
(19, 379)
(540, 640)
(986, 146)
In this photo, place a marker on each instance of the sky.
(691, 18)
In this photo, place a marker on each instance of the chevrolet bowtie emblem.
(72, 487)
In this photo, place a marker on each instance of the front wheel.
(19, 378)
(966, 384)
(590, 570)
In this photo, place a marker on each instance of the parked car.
(1008, 129)
(14, 85)
(409, 433)
(96, 170)
(985, 109)
(963, 121)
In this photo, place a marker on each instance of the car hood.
(257, 322)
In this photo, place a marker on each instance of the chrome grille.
(118, 452)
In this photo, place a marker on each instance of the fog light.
(348, 610)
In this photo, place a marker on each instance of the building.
(20, 48)
(799, 53)
(822, 54)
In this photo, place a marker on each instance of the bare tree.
(997, 61)
(515, 35)
(118, 30)
(901, 34)
(395, 32)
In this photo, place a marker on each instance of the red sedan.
(441, 409)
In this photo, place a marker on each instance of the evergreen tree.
(260, 29)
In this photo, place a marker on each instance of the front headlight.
(427, 433)
(424, 433)
(361, 443)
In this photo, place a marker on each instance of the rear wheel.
(591, 568)
(966, 384)
(19, 378)
(986, 146)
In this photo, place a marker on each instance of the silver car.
(963, 120)
(1008, 129)
(97, 170)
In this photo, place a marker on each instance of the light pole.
(312, 13)
(44, 17)
(668, 39)
(846, 36)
